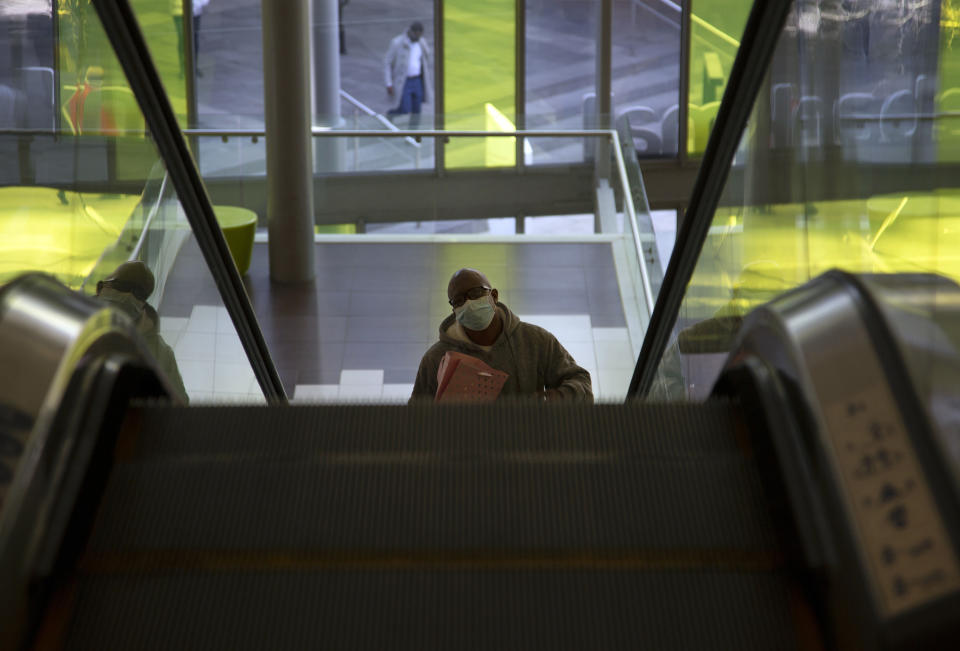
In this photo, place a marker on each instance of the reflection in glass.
(86, 194)
(844, 163)
(715, 30)
(646, 74)
(164, 29)
(561, 76)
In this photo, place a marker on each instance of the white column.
(287, 107)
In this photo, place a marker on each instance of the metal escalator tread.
(501, 429)
(544, 502)
(549, 483)
(434, 609)
(618, 526)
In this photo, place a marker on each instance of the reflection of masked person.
(128, 288)
(127, 302)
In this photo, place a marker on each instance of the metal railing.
(413, 135)
(360, 107)
(610, 134)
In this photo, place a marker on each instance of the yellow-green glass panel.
(82, 201)
(161, 22)
(716, 27)
(72, 197)
(947, 100)
(479, 74)
(83, 47)
(854, 176)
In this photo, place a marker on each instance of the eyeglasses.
(472, 294)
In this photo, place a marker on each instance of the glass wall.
(479, 69)
(561, 76)
(846, 162)
(646, 73)
(164, 26)
(715, 30)
(27, 68)
(225, 88)
(80, 199)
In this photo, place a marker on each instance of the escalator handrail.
(64, 354)
(635, 190)
(121, 27)
(760, 38)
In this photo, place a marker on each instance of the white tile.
(397, 392)
(197, 397)
(614, 383)
(197, 346)
(565, 327)
(614, 355)
(229, 348)
(611, 334)
(172, 338)
(228, 398)
(224, 323)
(203, 318)
(232, 377)
(583, 352)
(360, 392)
(197, 376)
(350, 377)
(169, 324)
(316, 393)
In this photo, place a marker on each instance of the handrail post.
(356, 141)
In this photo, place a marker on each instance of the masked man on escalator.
(481, 326)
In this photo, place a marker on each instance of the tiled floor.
(358, 333)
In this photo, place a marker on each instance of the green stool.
(239, 225)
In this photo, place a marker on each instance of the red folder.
(462, 378)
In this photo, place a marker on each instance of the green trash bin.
(239, 225)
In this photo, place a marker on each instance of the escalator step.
(620, 526)
(435, 609)
(701, 429)
(557, 501)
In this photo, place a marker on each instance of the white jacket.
(176, 7)
(396, 61)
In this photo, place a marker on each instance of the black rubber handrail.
(749, 69)
(128, 43)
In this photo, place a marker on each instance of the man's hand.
(390, 91)
(550, 395)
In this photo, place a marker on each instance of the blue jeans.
(411, 98)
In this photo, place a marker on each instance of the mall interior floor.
(358, 332)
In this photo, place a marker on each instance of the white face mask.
(476, 314)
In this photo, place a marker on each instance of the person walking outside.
(406, 69)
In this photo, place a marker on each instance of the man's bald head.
(465, 279)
